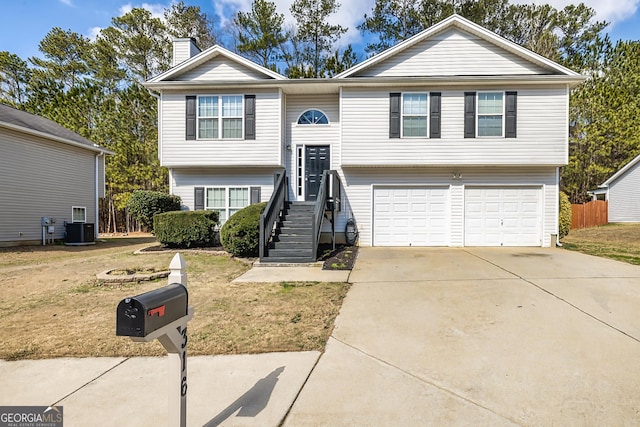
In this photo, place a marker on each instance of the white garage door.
(411, 216)
(503, 216)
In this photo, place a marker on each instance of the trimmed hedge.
(143, 205)
(240, 235)
(186, 229)
(564, 219)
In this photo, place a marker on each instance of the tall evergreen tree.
(315, 30)
(190, 21)
(260, 33)
(14, 79)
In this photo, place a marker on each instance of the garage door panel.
(503, 216)
(411, 216)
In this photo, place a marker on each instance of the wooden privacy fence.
(589, 214)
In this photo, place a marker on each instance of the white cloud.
(157, 10)
(66, 2)
(612, 11)
(93, 33)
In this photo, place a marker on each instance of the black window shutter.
(249, 117)
(198, 197)
(254, 195)
(394, 115)
(469, 114)
(434, 115)
(512, 114)
(191, 118)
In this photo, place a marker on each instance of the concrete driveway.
(480, 336)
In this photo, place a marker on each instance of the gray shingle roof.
(32, 122)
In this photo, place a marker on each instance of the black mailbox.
(140, 315)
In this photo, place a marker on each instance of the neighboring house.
(622, 191)
(453, 137)
(46, 171)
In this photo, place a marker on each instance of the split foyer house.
(50, 177)
(453, 137)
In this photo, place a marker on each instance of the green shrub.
(143, 205)
(564, 219)
(186, 229)
(240, 235)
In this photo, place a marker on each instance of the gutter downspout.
(97, 227)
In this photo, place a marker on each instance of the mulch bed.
(342, 258)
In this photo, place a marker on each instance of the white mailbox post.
(163, 314)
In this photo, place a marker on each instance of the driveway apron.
(480, 336)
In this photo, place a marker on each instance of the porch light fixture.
(457, 175)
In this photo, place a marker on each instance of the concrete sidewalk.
(243, 390)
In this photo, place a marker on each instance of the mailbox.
(141, 315)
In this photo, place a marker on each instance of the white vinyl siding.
(453, 53)
(263, 151)
(359, 184)
(220, 69)
(42, 178)
(542, 132)
(624, 196)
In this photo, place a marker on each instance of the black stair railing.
(328, 199)
(272, 212)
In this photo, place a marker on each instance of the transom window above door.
(313, 117)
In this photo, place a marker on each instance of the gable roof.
(457, 21)
(621, 172)
(209, 54)
(23, 121)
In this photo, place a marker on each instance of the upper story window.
(490, 113)
(414, 114)
(220, 117)
(313, 117)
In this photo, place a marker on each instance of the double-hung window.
(226, 200)
(490, 113)
(220, 116)
(414, 115)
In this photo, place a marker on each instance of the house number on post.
(163, 314)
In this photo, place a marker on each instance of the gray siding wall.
(541, 131)
(176, 151)
(221, 69)
(183, 181)
(359, 184)
(42, 178)
(624, 197)
(453, 53)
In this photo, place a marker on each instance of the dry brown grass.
(52, 305)
(617, 241)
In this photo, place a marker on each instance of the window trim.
(427, 115)
(313, 124)
(73, 220)
(220, 117)
(503, 115)
(227, 193)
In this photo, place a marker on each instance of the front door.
(316, 162)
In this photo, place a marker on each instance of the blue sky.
(23, 23)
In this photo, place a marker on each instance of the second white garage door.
(411, 216)
(503, 216)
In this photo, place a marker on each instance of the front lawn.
(53, 306)
(616, 241)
